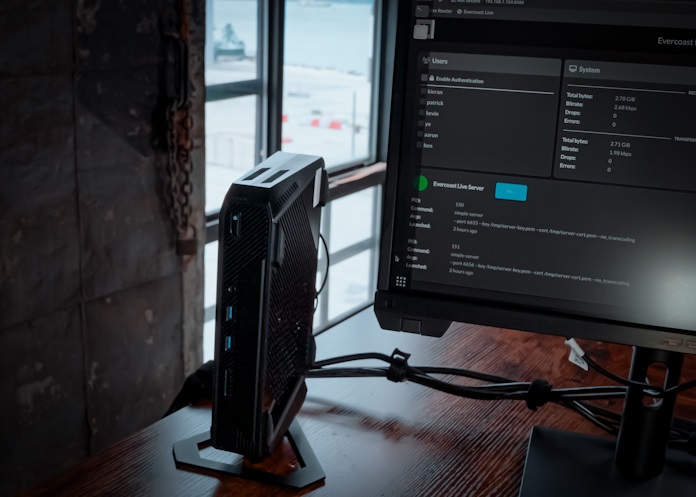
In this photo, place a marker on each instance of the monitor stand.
(638, 464)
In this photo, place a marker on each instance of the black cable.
(503, 389)
(460, 391)
(498, 391)
(655, 391)
(483, 392)
(584, 411)
(602, 418)
(326, 273)
(590, 390)
(347, 373)
(585, 393)
(618, 379)
(465, 373)
(328, 263)
(649, 390)
(681, 388)
(426, 369)
(681, 429)
(197, 387)
(353, 357)
(612, 376)
(601, 392)
(604, 413)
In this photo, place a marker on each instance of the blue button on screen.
(510, 191)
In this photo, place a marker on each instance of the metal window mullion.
(212, 231)
(339, 187)
(351, 251)
(318, 330)
(386, 53)
(262, 73)
(209, 313)
(326, 233)
(376, 219)
(376, 77)
(272, 77)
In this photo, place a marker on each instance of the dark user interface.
(555, 166)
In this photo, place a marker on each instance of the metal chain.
(179, 160)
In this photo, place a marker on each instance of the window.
(230, 145)
(327, 80)
(234, 100)
(326, 107)
(350, 226)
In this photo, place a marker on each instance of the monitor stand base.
(574, 465)
(188, 452)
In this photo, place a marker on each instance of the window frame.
(344, 179)
(267, 86)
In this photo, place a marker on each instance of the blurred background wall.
(100, 317)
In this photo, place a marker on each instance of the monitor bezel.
(437, 311)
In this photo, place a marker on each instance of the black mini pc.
(267, 265)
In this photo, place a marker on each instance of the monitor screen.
(542, 169)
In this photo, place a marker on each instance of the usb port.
(228, 343)
(229, 314)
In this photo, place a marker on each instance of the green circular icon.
(420, 183)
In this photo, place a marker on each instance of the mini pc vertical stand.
(188, 452)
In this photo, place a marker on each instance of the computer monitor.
(542, 171)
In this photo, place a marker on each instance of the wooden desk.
(374, 437)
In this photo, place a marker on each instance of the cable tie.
(575, 347)
(398, 370)
(576, 354)
(539, 393)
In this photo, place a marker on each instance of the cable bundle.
(535, 394)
